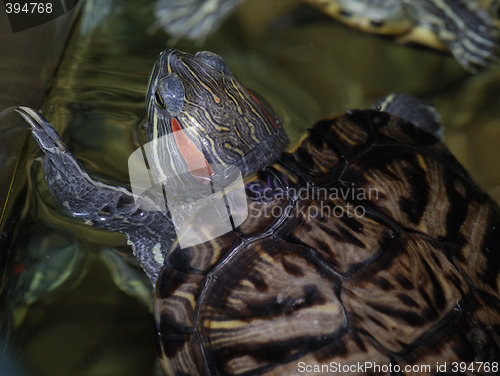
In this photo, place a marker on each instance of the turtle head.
(386, 17)
(210, 118)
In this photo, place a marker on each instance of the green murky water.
(306, 69)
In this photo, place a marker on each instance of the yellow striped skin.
(201, 96)
(415, 280)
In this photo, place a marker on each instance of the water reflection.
(305, 70)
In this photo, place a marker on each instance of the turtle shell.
(368, 245)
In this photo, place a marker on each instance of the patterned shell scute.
(381, 250)
(426, 289)
(275, 302)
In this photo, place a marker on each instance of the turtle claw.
(96, 203)
(61, 168)
(42, 130)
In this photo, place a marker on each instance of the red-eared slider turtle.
(366, 249)
(466, 28)
(461, 26)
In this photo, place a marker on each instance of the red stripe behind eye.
(175, 125)
(196, 162)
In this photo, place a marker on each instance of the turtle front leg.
(104, 206)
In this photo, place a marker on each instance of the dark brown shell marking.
(415, 280)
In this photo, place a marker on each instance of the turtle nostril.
(169, 52)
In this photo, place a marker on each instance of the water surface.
(75, 321)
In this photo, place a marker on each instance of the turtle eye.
(170, 95)
(214, 60)
(159, 100)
